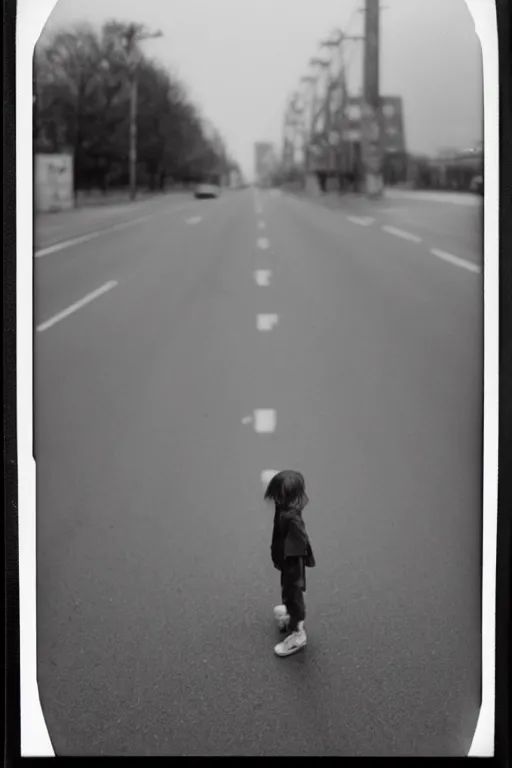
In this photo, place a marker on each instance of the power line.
(350, 59)
(352, 18)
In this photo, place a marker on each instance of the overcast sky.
(241, 59)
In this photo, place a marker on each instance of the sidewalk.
(98, 199)
(358, 201)
(51, 228)
(453, 198)
(348, 201)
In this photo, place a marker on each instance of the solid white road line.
(262, 276)
(77, 305)
(264, 420)
(364, 221)
(401, 233)
(266, 322)
(83, 239)
(456, 260)
(267, 475)
(101, 232)
(194, 220)
(263, 243)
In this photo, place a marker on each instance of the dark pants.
(292, 582)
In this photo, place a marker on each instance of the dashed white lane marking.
(401, 233)
(77, 305)
(100, 233)
(266, 322)
(194, 220)
(264, 420)
(262, 276)
(456, 260)
(364, 221)
(263, 243)
(267, 475)
(247, 420)
(262, 225)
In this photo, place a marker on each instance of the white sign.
(352, 134)
(354, 112)
(53, 182)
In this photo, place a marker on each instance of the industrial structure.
(357, 142)
(332, 136)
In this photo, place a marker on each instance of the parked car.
(477, 185)
(208, 188)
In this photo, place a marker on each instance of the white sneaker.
(281, 616)
(292, 643)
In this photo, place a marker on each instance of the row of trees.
(82, 105)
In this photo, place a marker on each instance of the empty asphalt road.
(154, 371)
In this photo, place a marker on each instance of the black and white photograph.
(263, 265)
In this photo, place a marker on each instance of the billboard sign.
(391, 123)
(53, 182)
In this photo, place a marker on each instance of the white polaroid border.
(31, 18)
(486, 27)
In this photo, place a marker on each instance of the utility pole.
(133, 135)
(338, 94)
(288, 136)
(309, 83)
(298, 133)
(133, 36)
(371, 122)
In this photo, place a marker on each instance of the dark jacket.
(290, 548)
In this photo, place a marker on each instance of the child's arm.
(274, 546)
(295, 550)
(296, 542)
(275, 560)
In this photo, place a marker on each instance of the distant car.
(477, 185)
(207, 190)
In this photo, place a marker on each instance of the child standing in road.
(291, 554)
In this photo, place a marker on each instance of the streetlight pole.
(133, 135)
(319, 65)
(309, 82)
(133, 36)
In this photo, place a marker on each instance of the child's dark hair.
(287, 490)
